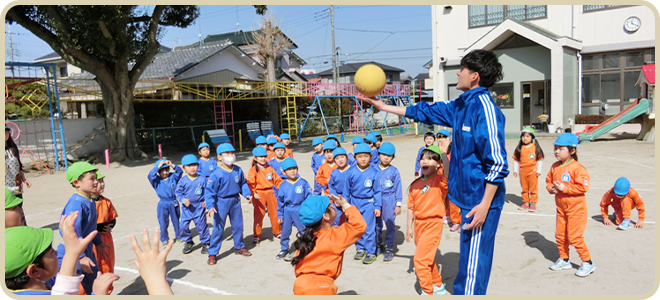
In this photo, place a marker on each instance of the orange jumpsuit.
(323, 175)
(453, 211)
(622, 206)
(259, 183)
(527, 174)
(428, 211)
(106, 213)
(571, 206)
(288, 153)
(316, 273)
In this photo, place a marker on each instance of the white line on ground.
(620, 159)
(545, 215)
(127, 236)
(177, 281)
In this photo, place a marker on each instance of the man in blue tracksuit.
(478, 166)
(222, 195)
(165, 183)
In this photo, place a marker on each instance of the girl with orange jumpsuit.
(528, 157)
(262, 180)
(105, 222)
(568, 180)
(320, 250)
(426, 212)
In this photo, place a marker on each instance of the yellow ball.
(370, 80)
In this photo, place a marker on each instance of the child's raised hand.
(558, 185)
(339, 201)
(151, 263)
(72, 243)
(377, 212)
(102, 283)
(607, 222)
(639, 224)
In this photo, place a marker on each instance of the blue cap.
(312, 209)
(357, 140)
(164, 165)
(362, 148)
(386, 148)
(331, 136)
(375, 133)
(329, 145)
(288, 163)
(371, 138)
(202, 145)
(259, 151)
(260, 140)
(444, 132)
(279, 145)
(568, 139)
(272, 140)
(338, 151)
(189, 159)
(285, 136)
(316, 141)
(622, 186)
(226, 147)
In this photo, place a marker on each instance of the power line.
(379, 31)
(388, 51)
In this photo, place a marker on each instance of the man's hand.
(479, 212)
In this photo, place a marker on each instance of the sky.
(399, 36)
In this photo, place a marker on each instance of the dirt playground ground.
(525, 244)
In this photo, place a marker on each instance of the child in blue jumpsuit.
(362, 189)
(276, 163)
(317, 160)
(165, 183)
(351, 157)
(190, 192)
(338, 178)
(478, 166)
(222, 196)
(390, 182)
(371, 140)
(290, 195)
(206, 164)
(82, 176)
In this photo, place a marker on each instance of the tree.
(269, 39)
(115, 43)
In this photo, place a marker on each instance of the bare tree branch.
(151, 47)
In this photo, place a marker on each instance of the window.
(502, 94)
(63, 72)
(452, 92)
(484, 15)
(388, 78)
(597, 7)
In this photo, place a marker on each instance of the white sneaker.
(561, 264)
(585, 269)
(440, 290)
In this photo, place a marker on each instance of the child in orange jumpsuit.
(105, 222)
(453, 212)
(528, 156)
(622, 198)
(262, 180)
(271, 144)
(286, 140)
(321, 248)
(325, 170)
(426, 213)
(568, 180)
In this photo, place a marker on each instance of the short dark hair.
(486, 64)
(19, 281)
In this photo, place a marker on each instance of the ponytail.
(305, 242)
(539, 151)
(574, 155)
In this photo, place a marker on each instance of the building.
(559, 60)
(347, 73)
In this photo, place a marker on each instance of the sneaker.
(624, 225)
(165, 244)
(289, 257)
(255, 240)
(421, 293)
(212, 260)
(379, 249)
(455, 227)
(179, 241)
(188, 247)
(282, 254)
(369, 259)
(532, 207)
(440, 290)
(359, 254)
(243, 252)
(561, 264)
(524, 206)
(205, 249)
(585, 269)
(389, 255)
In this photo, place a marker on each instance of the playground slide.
(640, 106)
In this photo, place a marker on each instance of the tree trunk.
(273, 103)
(120, 136)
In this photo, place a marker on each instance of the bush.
(597, 119)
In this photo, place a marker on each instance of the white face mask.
(229, 160)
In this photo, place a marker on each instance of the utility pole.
(334, 52)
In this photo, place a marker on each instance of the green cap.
(435, 149)
(99, 176)
(529, 130)
(77, 169)
(22, 246)
(11, 200)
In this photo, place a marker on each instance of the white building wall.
(606, 26)
(227, 59)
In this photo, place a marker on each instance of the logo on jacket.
(211, 168)
(532, 155)
(425, 189)
(368, 183)
(586, 181)
(299, 189)
(198, 191)
(388, 183)
(466, 128)
(236, 178)
(269, 176)
(566, 177)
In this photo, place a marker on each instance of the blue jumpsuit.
(375, 160)
(390, 182)
(336, 187)
(222, 194)
(193, 190)
(84, 225)
(289, 197)
(206, 167)
(168, 206)
(419, 156)
(478, 158)
(362, 190)
(317, 161)
(351, 159)
(277, 166)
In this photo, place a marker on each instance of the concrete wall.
(571, 102)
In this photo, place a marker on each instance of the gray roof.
(54, 54)
(352, 68)
(180, 59)
(422, 76)
(428, 64)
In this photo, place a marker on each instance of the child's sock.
(565, 259)
(590, 262)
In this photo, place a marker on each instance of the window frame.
(602, 9)
(512, 94)
(504, 18)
